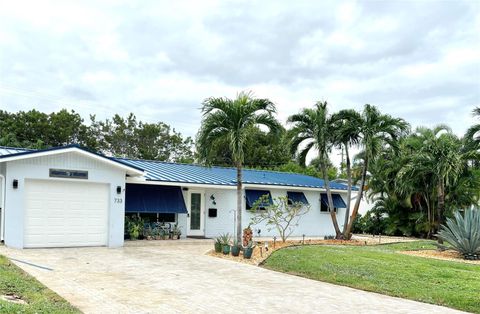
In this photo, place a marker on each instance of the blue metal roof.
(196, 174)
(4, 150)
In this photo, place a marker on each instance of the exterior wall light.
(212, 198)
(15, 183)
(119, 189)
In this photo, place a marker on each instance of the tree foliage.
(265, 150)
(127, 137)
(35, 129)
(122, 137)
(426, 179)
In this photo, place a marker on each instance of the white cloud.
(160, 59)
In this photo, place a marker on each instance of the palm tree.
(442, 152)
(472, 137)
(438, 157)
(346, 125)
(224, 118)
(313, 128)
(377, 130)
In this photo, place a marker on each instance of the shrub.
(281, 215)
(463, 233)
(224, 238)
(373, 222)
(134, 226)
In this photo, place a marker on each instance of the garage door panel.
(62, 214)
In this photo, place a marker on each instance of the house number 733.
(118, 200)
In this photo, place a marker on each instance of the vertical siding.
(38, 168)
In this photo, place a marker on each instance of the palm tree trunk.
(349, 193)
(429, 216)
(359, 198)
(239, 202)
(333, 214)
(440, 207)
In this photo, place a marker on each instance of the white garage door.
(65, 214)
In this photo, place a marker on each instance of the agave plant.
(225, 238)
(463, 233)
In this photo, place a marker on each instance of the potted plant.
(235, 249)
(163, 234)
(218, 245)
(248, 250)
(148, 232)
(247, 235)
(176, 232)
(225, 240)
(134, 227)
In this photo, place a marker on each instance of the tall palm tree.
(231, 119)
(443, 152)
(313, 129)
(347, 124)
(377, 130)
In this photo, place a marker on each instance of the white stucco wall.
(312, 224)
(38, 168)
(2, 192)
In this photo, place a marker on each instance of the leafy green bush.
(463, 233)
(373, 222)
(134, 226)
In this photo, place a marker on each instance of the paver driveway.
(180, 279)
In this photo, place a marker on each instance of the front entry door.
(195, 222)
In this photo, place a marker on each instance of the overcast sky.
(419, 60)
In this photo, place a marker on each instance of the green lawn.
(381, 269)
(40, 299)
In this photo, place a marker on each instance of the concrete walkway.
(180, 279)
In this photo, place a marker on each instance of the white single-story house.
(68, 196)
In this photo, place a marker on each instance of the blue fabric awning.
(337, 200)
(253, 195)
(297, 197)
(144, 198)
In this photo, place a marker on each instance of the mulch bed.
(448, 255)
(260, 253)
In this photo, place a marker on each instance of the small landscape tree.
(282, 215)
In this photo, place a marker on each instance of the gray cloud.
(418, 60)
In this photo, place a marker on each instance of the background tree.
(263, 150)
(313, 129)
(404, 182)
(377, 131)
(233, 120)
(127, 137)
(122, 137)
(35, 129)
